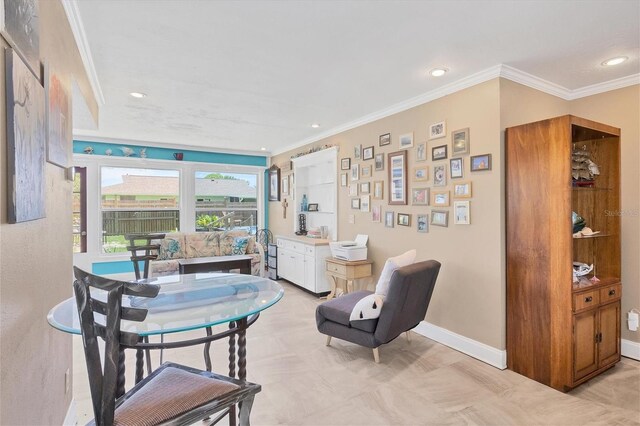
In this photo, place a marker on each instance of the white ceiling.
(241, 75)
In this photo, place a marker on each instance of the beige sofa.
(181, 245)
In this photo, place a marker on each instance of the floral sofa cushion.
(202, 244)
(172, 247)
(227, 242)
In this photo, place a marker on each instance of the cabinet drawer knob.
(612, 292)
(588, 299)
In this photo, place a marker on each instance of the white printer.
(350, 250)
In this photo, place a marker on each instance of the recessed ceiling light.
(614, 61)
(315, 125)
(138, 95)
(263, 149)
(438, 72)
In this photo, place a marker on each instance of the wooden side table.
(347, 271)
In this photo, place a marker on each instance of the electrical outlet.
(352, 218)
(67, 381)
(632, 321)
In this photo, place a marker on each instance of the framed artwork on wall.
(461, 213)
(404, 219)
(384, 139)
(440, 175)
(421, 174)
(439, 153)
(355, 203)
(437, 130)
(421, 152)
(388, 219)
(462, 190)
(365, 203)
(405, 141)
(345, 164)
(285, 185)
(343, 179)
(357, 152)
(397, 165)
(455, 168)
(367, 153)
(274, 183)
(365, 172)
(355, 172)
(365, 187)
(440, 218)
(420, 196)
(480, 162)
(460, 142)
(378, 190)
(376, 214)
(422, 221)
(440, 198)
(379, 162)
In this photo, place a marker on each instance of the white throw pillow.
(391, 265)
(367, 308)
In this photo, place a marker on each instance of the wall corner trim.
(72, 415)
(480, 351)
(630, 349)
(77, 28)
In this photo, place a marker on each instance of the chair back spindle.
(143, 253)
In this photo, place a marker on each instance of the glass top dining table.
(185, 302)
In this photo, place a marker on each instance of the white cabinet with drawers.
(301, 261)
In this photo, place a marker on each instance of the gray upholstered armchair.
(405, 306)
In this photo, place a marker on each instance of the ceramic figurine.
(88, 150)
(127, 152)
(143, 153)
(108, 151)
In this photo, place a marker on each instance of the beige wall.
(35, 266)
(469, 296)
(621, 108)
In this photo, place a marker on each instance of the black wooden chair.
(173, 394)
(143, 253)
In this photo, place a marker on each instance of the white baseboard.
(71, 418)
(630, 349)
(485, 353)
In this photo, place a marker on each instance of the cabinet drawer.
(272, 262)
(310, 250)
(610, 293)
(273, 250)
(585, 300)
(337, 269)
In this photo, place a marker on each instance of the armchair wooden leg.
(376, 355)
(245, 410)
(328, 340)
(408, 336)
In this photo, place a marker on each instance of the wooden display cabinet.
(558, 332)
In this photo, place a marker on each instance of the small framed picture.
(367, 153)
(365, 172)
(353, 190)
(404, 219)
(397, 171)
(343, 179)
(455, 168)
(421, 173)
(437, 130)
(439, 153)
(406, 141)
(274, 183)
(440, 198)
(422, 221)
(355, 172)
(460, 142)
(378, 190)
(420, 196)
(365, 187)
(421, 152)
(313, 207)
(285, 185)
(365, 203)
(384, 139)
(440, 175)
(462, 190)
(376, 214)
(440, 218)
(379, 162)
(480, 162)
(357, 152)
(345, 164)
(355, 203)
(461, 213)
(388, 219)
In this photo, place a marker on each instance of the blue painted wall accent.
(155, 153)
(101, 268)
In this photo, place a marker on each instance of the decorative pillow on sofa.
(393, 263)
(240, 245)
(367, 308)
(227, 242)
(202, 244)
(171, 247)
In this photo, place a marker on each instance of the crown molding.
(534, 82)
(607, 86)
(503, 71)
(456, 86)
(77, 28)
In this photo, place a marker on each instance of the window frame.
(186, 172)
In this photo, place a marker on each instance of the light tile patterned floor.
(305, 382)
